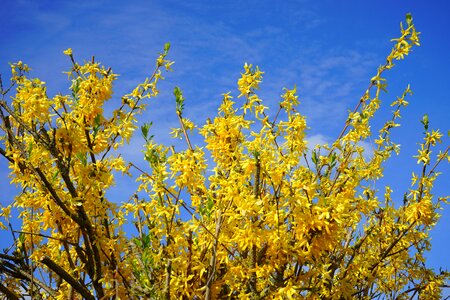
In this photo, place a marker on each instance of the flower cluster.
(253, 213)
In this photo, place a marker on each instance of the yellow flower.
(68, 52)
(250, 80)
(423, 156)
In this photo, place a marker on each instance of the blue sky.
(329, 49)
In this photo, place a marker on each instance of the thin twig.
(212, 262)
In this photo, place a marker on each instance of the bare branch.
(82, 290)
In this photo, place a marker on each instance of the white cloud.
(317, 140)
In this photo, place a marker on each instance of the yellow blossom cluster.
(252, 213)
(61, 156)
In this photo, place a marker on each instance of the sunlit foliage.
(254, 212)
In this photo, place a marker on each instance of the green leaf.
(333, 160)
(425, 121)
(409, 19)
(137, 242)
(154, 157)
(210, 203)
(166, 47)
(178, 99)
(97, 120)
(82, 157)
(314, 157)
(146, 241)
(206, 208)
(75, 87)
(55, 175)
(145, 129)
(22, 237)
(30, 148)
(96, 124)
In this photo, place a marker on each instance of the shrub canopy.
(253, 213)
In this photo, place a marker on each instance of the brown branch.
(185, 207)
(253, 251)
(356, 248)
(129, 113)
(167, 281)
(444, 154)
(117, 270)
(3, 153)
(17, 272)
(212, 262)
(56, 198)
(87, 229)
(3, 92)
(46, 236)
(34, 133)
(105, 218)
(9, 294)
(391, 246)
(9, 257)
(66, 246)
(184, 131)
(82, 290)
(81, 218)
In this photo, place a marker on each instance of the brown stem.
(212, 262)
(48, 186)
(184, 130)
(17, 272)
(89, 235)
(104, 219)
(66, 246)
(183, 204)
(391, 246)
(253, 251)
(444, 154)
(167, 280)
(82, 290)
(129, 113)
(9, 294)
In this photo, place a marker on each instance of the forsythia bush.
(253, 213)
